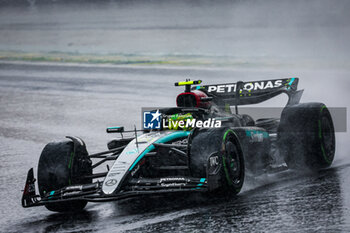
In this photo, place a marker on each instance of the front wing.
(93, 192)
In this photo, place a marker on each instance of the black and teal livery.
(204, 158)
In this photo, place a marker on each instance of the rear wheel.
(306, 136)
(223, 142)
(58, 167)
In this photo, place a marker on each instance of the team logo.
(250, 86)
(152, 120)
(111, 182)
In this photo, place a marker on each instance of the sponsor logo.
(214, 165)
(152, 120)
(172, 184)
(77, 187)
(214, 161)
(72, 193)
(111, 182)
(173, 179)
(257, 136)
(252, 86)
(134, 151)
(113, 174)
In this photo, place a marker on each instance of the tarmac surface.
(157, 43)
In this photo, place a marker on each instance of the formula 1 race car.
(198, 146)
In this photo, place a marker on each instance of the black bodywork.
(166, 169)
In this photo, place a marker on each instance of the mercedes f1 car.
(187, 152)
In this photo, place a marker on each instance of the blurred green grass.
(168, 60)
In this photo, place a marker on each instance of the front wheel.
(209, 145)
(60, 166)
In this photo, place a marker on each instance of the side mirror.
(118, 129)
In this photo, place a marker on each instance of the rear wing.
(244, 93)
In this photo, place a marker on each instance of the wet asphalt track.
(41, 103)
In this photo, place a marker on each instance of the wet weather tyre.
(58, 167)
(306, 136)
(204, 142)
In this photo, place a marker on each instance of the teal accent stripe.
(167, 138)
(114, 127)
(250, 132)
(51, 193)
(291, 82)
(199, 185)
(202, 180)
